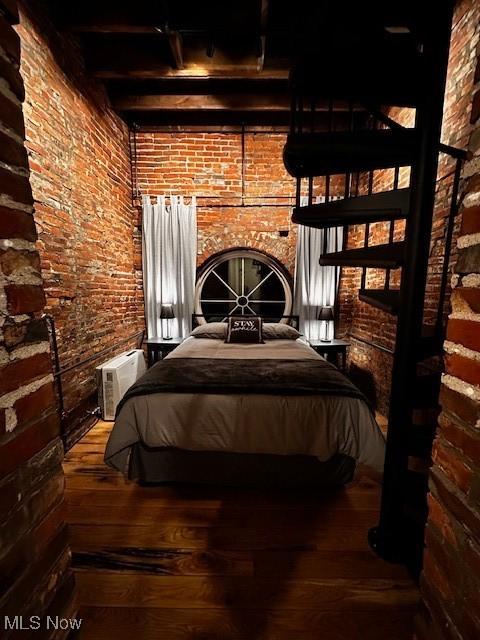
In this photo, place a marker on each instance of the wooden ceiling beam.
(110, 16)
(109, 26)
(196, 86)
(142, 16)
(216, 102)
(160, 71)
(122, 57)
(226, 102)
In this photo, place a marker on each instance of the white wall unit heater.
(115, 377)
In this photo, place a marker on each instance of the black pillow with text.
(244, 329)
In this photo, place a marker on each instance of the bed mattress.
(321, 426)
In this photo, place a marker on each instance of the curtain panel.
(315, 286)
(169, 243)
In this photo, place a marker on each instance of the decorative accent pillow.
(213, 330)
(244, 329)
(279, 331)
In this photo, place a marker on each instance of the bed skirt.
(171, 465)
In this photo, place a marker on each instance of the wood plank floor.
(210, 563)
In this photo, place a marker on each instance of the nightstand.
(335, 350)
(158, 348)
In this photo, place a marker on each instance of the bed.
(244, 414)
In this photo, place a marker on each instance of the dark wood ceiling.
(177, 62)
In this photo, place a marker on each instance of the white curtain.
(315, 286)
(169, 263)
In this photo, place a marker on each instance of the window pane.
(216, 312)
(234, 274)
(214, 288)
(272, 311)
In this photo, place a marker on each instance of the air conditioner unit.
(115, 377)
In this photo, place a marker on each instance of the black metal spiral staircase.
(375, 142)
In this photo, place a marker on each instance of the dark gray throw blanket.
(234, 376)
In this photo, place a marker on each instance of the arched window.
(243, 282)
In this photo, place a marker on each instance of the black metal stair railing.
(439, 325)
(391, 229)
(367, 225)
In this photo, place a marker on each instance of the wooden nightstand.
(334, 350)
(158, 348)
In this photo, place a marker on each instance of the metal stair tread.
(381, 256)
(316, 154)
(376, 207)
(385, 299)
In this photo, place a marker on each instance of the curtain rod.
(291, 198)
(243, 206)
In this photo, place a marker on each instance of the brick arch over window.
(281, 248)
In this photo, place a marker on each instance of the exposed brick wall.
(209, 165)
(361, 319)
(80, 173)
(34, 558)
(451, 578)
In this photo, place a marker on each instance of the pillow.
(244, 329)
(214, 330)
(279, 331)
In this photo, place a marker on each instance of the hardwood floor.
(210, 563)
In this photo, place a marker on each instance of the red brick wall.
(209, 165)
(80, 173)
(34, 556)
(370, 365)
(451, 578)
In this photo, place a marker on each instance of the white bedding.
(316, 425)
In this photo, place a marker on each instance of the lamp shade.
(326, 313)
(166, 312)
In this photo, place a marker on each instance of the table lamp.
(166, 313)
(325, 314)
